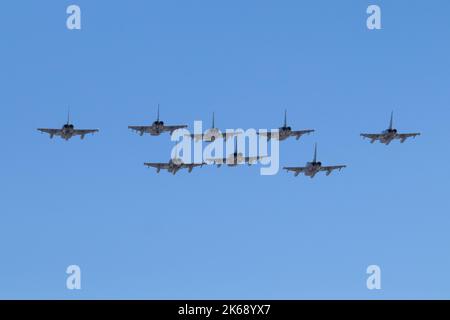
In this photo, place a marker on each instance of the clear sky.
(228, 232)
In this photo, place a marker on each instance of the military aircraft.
(156, 128)
(212, 134)
(313, 167)
(173, 166)
(389, 134)
(285, 132)
(235, 158)
(67, 131)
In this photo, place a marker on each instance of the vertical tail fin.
(315, 153)
(213, 125)
(391, 123)
(157, 116)
(285, 118)
(68, 115)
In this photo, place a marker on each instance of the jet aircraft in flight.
(156, 128)
(235, 158)
(389, 134)
(313, 167)
(67, 131)
(212, 134)
(173, 166)
(285, 132)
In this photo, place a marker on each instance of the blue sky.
(229, 232)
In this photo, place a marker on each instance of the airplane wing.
(252, 160)
(217, 161)
(82, 132)
(140, 129)
(372, 136)
(329, 169)
(190, 166)
(157, 165)
(230, 134)
(51, 132)
(297, 134)
(269, 135)
(296, 170)
(196, 137)
(207, 137)
(171, 129)
(404, 136)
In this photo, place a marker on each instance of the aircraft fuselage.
(67, 131)
(234, 159)
(211, 135)
(157, 128)
(388, 135)
(175, 165)
(312, 168)
(284, 133)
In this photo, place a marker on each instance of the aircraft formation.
(284, 132)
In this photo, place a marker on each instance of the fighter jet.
(173, 166)
(235, 158)
(156, 128)
(212, 133)
(313, 167)
(389, 134)
(68, 131)
(285, 132)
